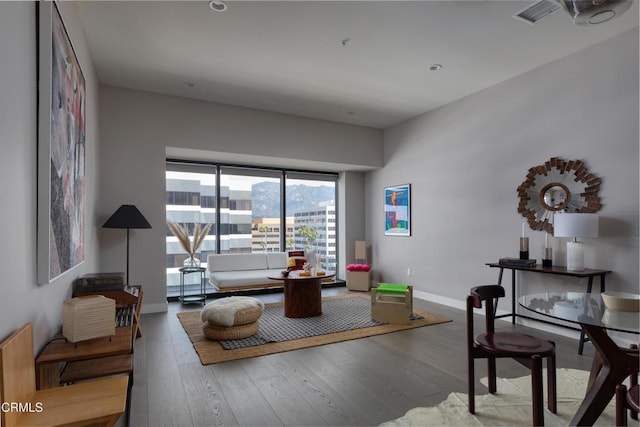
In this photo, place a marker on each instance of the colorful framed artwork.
(61, 149)
(397, 210)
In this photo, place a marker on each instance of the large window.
(311, 202)
(191, 200)
(251, 217)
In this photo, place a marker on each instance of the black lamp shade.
(127, 216)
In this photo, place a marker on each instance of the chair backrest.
(17, 371)
(489, 294)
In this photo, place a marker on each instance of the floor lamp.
(127, 216)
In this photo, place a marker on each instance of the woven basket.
(247, 315)
(221, 333)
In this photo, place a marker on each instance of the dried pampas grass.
(181, 231)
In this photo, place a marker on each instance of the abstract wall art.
(397, 210)
(61, 149)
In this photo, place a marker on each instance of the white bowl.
(621, 301)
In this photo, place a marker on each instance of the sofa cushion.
(277, 260)
(236, 262)
(230, 279)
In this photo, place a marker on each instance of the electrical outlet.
(409, 271)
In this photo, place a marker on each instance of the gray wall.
(138, 128)
(21, 299)
(465, 160)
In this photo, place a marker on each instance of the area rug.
(511, 406)
(213, 352)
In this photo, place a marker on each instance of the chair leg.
(471, 385)
(621, 405)
(128, 404)
(491, 372)
(552, 395)
(536, 391)
(633, 381)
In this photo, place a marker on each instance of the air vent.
(535, 12)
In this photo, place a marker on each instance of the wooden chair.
(99, 402)
(628, 399)
(525, 349)
(91, 369)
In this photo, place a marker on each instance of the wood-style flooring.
(362, 382)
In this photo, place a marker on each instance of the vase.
(191, 262)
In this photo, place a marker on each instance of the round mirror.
(557, 185)
(555, 196)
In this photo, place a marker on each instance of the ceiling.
(359, 62)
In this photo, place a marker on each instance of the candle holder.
(524, 248)
(546, 257)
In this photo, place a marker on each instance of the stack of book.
(517, 262)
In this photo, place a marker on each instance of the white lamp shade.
(575, 225)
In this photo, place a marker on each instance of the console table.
(555, 270)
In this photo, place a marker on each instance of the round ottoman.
(231, 318)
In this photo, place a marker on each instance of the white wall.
(465, 160)
(21, 298)
(137, 129)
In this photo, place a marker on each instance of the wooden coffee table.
(302, 294)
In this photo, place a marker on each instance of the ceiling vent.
(592, 12)
(535, 12)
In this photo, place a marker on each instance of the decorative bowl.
(621, 301)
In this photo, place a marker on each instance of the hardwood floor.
(354, 383)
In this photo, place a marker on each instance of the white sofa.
(245, 271)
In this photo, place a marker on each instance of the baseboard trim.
(154, 308)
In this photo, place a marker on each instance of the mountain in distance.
(265, 198)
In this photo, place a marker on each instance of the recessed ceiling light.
(217, 5)
(435, 67)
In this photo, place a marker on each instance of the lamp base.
(575, 256)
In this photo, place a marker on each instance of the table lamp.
(575, 225)
(127, 216)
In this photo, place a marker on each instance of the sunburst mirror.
(557, 185)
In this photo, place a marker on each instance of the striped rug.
(343, 318)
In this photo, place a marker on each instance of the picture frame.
(61, 148)
(397, 210)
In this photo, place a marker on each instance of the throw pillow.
(296, 260)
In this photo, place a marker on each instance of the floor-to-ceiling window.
(191, 202)
(250, 215)
(311, 202)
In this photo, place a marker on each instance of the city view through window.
(250, 213)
